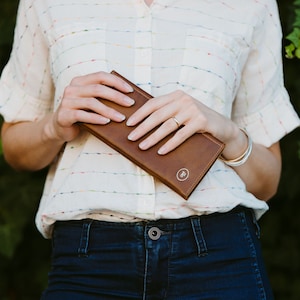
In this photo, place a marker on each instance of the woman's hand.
(261, 172)
(80, 104)
(175, 110)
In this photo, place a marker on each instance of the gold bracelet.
(236, 162)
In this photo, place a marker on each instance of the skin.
(148, 2)
(34, 145)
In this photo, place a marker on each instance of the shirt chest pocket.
(77, 49)
(212, 65)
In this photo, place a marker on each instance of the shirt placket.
(143, 50)
(142, 75)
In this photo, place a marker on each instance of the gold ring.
(176, 121)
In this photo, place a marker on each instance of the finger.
(179, 137)
(102, 78)
(91, 118)
(160, 133)
(151, 106)
(152, 114)
(147, 125)
(101, 109)
(98, 91)
(89, 106)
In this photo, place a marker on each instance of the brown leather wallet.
(182, 169)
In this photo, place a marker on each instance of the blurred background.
(25, 255)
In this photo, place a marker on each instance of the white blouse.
(223, 53)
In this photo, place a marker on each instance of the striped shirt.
(223, 53)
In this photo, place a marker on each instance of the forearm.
(34, 145)
(29, 145)
(261, 172)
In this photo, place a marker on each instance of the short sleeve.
(262, 105)
(26, 88)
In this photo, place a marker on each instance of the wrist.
(49, 133)
(237, 158)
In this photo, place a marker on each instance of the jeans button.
(154, 233)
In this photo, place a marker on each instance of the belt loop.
(198, 235)
(255, 222)
(84, 239)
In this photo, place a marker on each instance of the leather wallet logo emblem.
(183, 174)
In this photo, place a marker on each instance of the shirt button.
(154, 233)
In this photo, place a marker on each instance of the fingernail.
(120, 117)
(131, 136)
(143, 145)
(129, 100)
(162, 150)
(128, 87)
(130, 122)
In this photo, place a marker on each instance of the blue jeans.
(210, 257)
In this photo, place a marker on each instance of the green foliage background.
(25, 255)
(293, 49)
